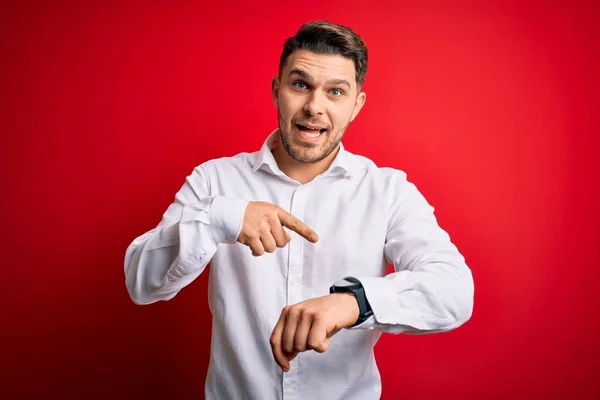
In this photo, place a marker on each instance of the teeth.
(313, 135)
(306, 131)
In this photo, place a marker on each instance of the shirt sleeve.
(162, 261)
(431, 289)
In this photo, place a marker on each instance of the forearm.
(158, 264)
(435, 297)
(164, 260)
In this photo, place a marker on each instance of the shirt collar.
(344, 163)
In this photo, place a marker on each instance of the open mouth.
(311, 131)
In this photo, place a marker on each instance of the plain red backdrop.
(491, 109)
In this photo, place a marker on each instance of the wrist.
(351, 304)
(352, 286)
(226, 218)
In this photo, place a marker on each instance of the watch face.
(345, 283)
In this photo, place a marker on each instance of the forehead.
(321, 67)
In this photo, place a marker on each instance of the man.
(299, 236)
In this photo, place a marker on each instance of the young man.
(299, 236)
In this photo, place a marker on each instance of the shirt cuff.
(370, 323)
(226, 218)
(382, 295)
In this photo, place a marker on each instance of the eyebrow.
(309, 77)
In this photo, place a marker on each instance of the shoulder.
(385, 175)
(385, 182)
(210, 171)
(392, 185)
(240, 161)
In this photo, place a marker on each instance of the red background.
(491, 109)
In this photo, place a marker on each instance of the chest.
(349, 215)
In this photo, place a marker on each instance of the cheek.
(337, 119)
(343, 115)
(289, 104)
(286, 108)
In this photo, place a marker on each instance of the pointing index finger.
(289, 221)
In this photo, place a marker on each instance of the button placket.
(294, 284)
(290, 388)
(295, 264)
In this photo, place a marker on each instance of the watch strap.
(357, 290)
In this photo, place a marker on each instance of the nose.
(314, 104)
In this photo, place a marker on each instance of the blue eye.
(336, 92)
(300, 85)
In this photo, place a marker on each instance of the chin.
(306, 149)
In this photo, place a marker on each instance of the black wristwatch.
(353, 285)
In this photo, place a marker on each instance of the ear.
(275, 90)
(360, 102)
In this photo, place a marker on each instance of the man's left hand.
(309, 325)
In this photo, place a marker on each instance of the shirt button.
(290, 383)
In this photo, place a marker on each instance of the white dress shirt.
(366, 217)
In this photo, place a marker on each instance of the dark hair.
(324, 37)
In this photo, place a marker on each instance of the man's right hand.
(262, 229)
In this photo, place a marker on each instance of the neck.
(299, 171)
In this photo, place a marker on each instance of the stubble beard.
(304, 152)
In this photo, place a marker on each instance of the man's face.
(317, 98)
